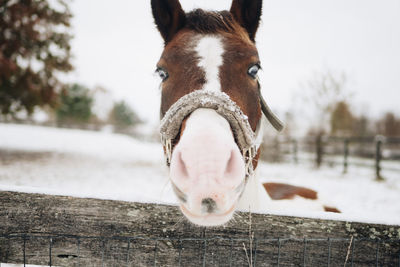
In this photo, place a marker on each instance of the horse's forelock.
(213, 22)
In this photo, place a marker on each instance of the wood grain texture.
(91, 232)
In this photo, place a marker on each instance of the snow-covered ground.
(111, 166)
(81, 163)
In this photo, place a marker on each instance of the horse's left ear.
(169, 17)
(247, 13)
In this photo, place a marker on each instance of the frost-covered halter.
(247, 140)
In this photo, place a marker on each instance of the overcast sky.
(117, 46)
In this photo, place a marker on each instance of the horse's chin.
(212, 219)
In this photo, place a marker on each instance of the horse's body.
(210, 60)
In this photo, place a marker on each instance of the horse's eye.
(162, 73)
(253, 70)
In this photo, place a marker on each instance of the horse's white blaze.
(210, 50)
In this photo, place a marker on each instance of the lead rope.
(248, 156)
(167, 143)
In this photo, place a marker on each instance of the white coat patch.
(210, 50)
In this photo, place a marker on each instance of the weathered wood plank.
(89, 232)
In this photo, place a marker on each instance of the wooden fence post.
(346, 155)
(295, 150)
(319, 150)
(378, 157)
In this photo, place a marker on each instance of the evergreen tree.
(122, 116)
(75, 106)
(34, 45)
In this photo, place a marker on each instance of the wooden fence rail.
(67, 231)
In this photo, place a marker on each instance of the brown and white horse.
(211, 100)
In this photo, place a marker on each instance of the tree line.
(343, 122)
(325, 106)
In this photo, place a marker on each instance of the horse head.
(211, 104)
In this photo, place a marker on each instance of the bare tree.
(321, 95)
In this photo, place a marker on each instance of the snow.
(111, 166)
(82, 164)
(102, 145)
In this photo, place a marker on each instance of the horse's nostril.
(230, 164)
(208, 205)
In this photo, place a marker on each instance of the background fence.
(66, 231)
(379, 153)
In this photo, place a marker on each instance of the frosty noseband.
(245, 138)
(220, 102)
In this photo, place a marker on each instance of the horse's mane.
(209, 22)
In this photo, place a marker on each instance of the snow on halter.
(245, 137)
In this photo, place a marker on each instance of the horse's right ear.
(169, 17)
(247, 13)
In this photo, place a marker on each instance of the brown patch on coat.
(331, 209)
(180, 60)
(239, 56)
(278, 191)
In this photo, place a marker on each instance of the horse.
(211, 109)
